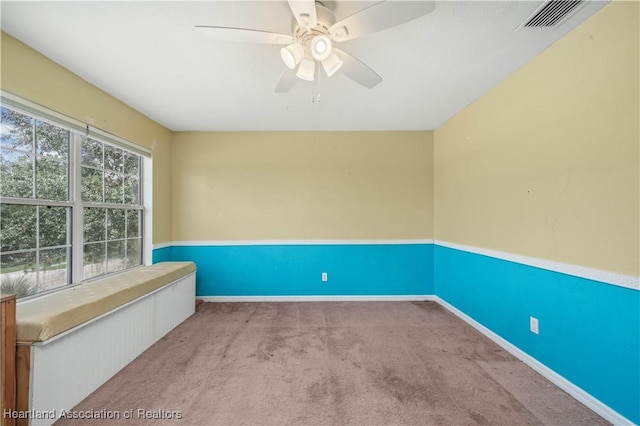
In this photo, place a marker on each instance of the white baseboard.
(578, 393)
(417, 297)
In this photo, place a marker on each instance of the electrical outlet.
(533, 325)
(325, 277)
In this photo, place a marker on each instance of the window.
(112, 211)
(70, 204)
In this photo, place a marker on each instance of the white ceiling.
(148, 55)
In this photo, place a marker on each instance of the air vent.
(552, 13)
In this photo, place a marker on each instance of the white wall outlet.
(325, 277)
(533, 325)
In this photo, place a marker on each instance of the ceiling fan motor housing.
(304, 36)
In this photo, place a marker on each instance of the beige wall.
(32, 76)
(546, 163)
(302, 185)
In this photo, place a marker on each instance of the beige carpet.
(331, 363)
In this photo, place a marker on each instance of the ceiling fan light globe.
(332, 64)
(292, 55)
(306, 70)
(321, 47)
(287, 58)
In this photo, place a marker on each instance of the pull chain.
(315, 95)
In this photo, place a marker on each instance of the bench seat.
(43, 318)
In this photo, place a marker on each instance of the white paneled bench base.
(73, 341)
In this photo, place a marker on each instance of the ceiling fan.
(314, 34)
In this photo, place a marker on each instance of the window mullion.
(126, 234)
(104, 167)
(37, 266)
(77, 251)
(33, 202)
(34, 176)
(146, 199)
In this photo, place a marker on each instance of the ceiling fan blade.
(287, 80)
(378, 17)
(305, 12)
(357, 70)
(243, 35)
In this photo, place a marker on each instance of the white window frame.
(78, 130)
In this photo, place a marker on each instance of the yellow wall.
(302, 185)
(32, 76)
(546, 164)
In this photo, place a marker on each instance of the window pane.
(53, 268)
(52, 141)
(53, 226)
(17, 227)
(131, 190)
(134, 257)
(16, 174)
(116, 260)
(52, 180)
(17, 273)
(113, 158)
(16, 130)
(94, 260)
(116, 225)
(92, 153)
(92, 185)
(133, 223)
(113, 186)
(131, 164)
(94, 224)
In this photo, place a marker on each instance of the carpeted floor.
(331, 363)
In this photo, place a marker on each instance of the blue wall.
(589, 331)
(295, 270)
(161, 255)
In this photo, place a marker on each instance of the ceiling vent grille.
(552, 13)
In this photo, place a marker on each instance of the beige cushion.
(44, 317)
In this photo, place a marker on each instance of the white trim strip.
(32, 108)
(99, 134)
(404, 298)
(627, 281)
(578, 393)
(25, 106)
(162, 245)
(298, 242)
